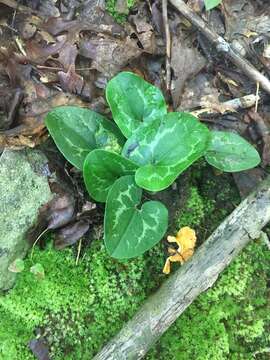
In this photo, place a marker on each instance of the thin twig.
(257, 100)
(43, 67)
(36, 241)
(168, 42)
(244, 102)
(222, 45)
(79, 251)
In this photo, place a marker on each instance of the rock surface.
(23, 189)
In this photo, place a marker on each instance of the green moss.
(79, 308)
(194, 210)
(209, 200)
(120, 18)
(229, 321)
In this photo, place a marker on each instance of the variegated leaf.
(76, 131)
(133, 101)
(101, 169)
(166, 148)
(130, 230)
(230, 152)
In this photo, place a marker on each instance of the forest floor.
(55, 53)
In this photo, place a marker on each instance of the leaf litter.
(65, 52)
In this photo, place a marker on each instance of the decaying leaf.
(30, 131)
(70, 234)
(143, 28)
(186, 62)
(39, 348)
(242, 19)
(109, 55)
(185, 240)
(59, 211)
(70, 81)
(16, 266)
(56, 213)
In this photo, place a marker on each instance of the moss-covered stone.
(79, 308)
(23, 189)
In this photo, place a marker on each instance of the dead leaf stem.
(168, 42)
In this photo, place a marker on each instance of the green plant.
(210, 4)
(120, 17)
(159, 146)
(81, 307)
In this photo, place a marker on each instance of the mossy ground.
(79, 308)
(110, 6)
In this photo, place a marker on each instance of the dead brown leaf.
(70, 234)
(71, 81)
(31, 129)
(143, 29)
(186, 62)
(109, 55)
(244, 22)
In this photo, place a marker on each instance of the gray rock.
(23, 189)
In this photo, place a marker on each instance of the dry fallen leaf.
(186, 240)
(70, 234)
(186, 62)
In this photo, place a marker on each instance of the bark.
(194, 277)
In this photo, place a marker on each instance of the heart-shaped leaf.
(38, 271)
(130, 231)
(101, 169)
(133, 101)
(165, 148)
(76, 131)
(230, 152)
(210, 4)
(157, 178)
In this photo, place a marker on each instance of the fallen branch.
(222, 45)
(168, 43)
(233, 105)
(197, 275)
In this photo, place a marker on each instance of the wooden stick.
(168, 43)
(222, 45)
(196, 276)
(236, 104)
